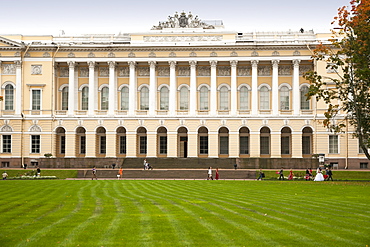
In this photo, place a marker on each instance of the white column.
(173, 88)
(254, 88)
(213, 101)
(275, 87)
(18, 90)
(193, 88)
(296, 95)
(132, 89)
(152, 89)
(112, 88)
(233, 96)
(91, 105)
(71, 88)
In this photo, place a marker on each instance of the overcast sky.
(115, 16)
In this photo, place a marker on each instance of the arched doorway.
(60, 142)
(182, 138)
(162, 141)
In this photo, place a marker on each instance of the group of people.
(319, 174)
(210, 174)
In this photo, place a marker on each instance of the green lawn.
(184, 213)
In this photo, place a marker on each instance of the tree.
(348, 54)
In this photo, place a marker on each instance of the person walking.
(290, 177)
(329, 173)
(94, 174)
(38, 171)
(5, 175)
(217, 175)
(120, 173)
(281, 174)
(210, 176)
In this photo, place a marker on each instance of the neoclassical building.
(184, 89)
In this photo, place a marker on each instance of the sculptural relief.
(224, 71)
(244, 71)
(103, 72)
(285, 70)
(84, 72)
(64, 72)
(204, 71)
(143, 71)
(182, 20)
(183, 71)
(264, 70)
(123, 72)
(163, 71)
(36, 69)
(8, 69)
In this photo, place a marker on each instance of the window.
(9, 97)
(85, 99)
(284, 98)
(285, 140)
(333, 144)
(363, 165)
(142, 142)
(184, 99)
(264, 98)
(163, 144)
(124, 98)
(65, 98)
(7, 143)
(144, 99)
(305, 103)
(224, 99)
(164, 98)
(62, 144)
(104, 98)
(203, 144)
(306, 140)
(265, 141)
(83, 144)
(35, 144)
(244, 144)
(243, 99)
(36, 99)
(122, 144)
(103, 144)
(224, 145)
(203, 98)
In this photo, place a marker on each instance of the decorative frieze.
(244, 71)
(192, 54)
(254, 54)
(131, 54)
(103, 71)
(8, 69)
(64, 72)
(91, 54)
(183, 71)
(275, 53)
(46, 54)
(111, 54)
(172, 54)
(264, 70)
(36, 69)
(213, 54)
(304, 68)
(123, 71)
(204, 71)
(71, 54)
(84, 72)
(152, 54)
(163, 71)
(285, 70)
(233, 54)
(143, 71)
(224, 71)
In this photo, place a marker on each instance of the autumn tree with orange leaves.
(348, 55)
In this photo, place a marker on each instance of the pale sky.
(75, 17)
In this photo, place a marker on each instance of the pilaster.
(111, 144)
(19, 88)
(71, 88)
(112, 88)
(275, 87)
(254, 88)
(173, 88)
(132, 90)
(296, 94)
(152, 89)
(233, 90)
(213, 101)
(91, 104)
(193, 88)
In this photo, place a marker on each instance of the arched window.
(81, 140)
(223, 136)
(307, 141)
(162, 140)
(264, 98)
(121, 135)
(305, 103)
(243, 99)
(203, 140)
(244, 140)
(144, 98)
(184, 98)
(265, 140)
(61, 141)
(285, 140)
(284, 98)
(104, 98)
(203, 99)
(124, 98)
(142, 140)
(102, 140)
(164, 98)
(9, 97)
(224, 99)
(85, 98)
(65, 98)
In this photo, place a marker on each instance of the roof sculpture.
(183, 21)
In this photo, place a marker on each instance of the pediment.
(4, 42)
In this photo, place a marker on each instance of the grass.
(337, 175)
(184, 213)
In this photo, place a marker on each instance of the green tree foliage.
(349, 56)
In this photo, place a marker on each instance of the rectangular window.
(36, 100)
(62, 144)
(203, 145)
(122, 144)
(7, 143)
(285, 145)
(35, 144)
(333, 144)
(363, 165)
(244, 144)
(142, 142)
(264, 145)
(224, 145)
(163, 144)
(306, 145)
(82, 144)
(103, 144)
